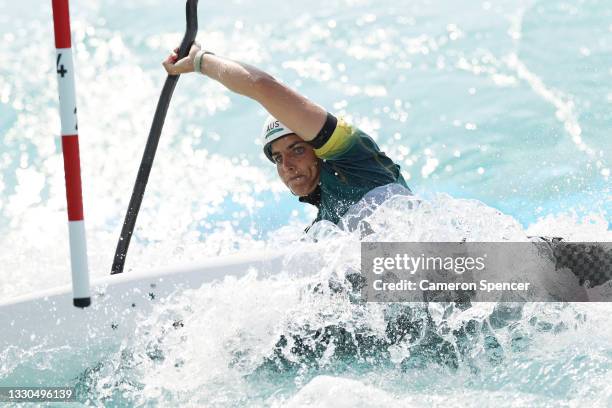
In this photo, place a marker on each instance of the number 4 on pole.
(60, 68)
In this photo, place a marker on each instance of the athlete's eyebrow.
(291, 146)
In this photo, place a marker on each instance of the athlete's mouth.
(296, 178)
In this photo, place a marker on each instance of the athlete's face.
(296, 164)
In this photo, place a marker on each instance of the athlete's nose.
(288, 164)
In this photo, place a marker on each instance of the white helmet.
(272, 130)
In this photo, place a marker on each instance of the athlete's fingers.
(167, 65)
(170, 67)
(170, 59)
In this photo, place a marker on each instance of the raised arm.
(297, 112)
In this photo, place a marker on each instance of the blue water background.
(506, 102)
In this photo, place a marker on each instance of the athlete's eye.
(298, 149)
(278, 159)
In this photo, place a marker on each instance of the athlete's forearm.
(296, 111)
(236, 76)
(284, 103)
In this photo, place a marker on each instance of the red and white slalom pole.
(70, 148)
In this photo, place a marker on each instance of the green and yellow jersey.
(351, 166)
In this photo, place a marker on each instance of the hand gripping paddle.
(191, 10)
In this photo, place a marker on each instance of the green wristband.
(197, 61)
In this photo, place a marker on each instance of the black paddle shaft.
(191, 11)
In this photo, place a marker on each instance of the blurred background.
(506, 102)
